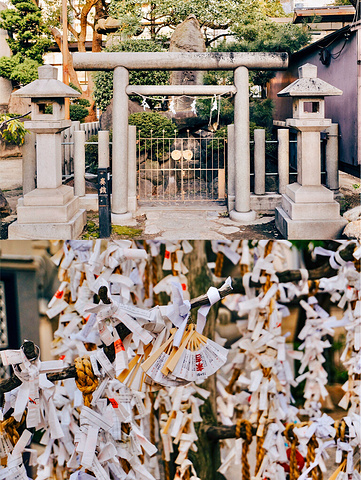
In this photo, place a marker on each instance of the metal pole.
(332, 158)
(283, 159)
(242, 211)
(259, 161)
(64, 10)
(132, 168)
(230, 166)
(79, 163)
(120, 148)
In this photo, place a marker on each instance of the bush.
(103, 92)
(77, 112)
(19, 69)
(152, 124)
(148, 124)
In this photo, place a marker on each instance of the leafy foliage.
(103, 92)
(152, 124)
(27, 40)
(18, 69)
(169, 13)
(12, 132)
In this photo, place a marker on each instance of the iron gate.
(182, 169)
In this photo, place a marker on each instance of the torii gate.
(122, 62)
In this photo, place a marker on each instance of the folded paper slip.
(196, 358)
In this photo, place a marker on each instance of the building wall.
(341, 73)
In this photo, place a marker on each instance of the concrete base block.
(321, 229)
(123, 219)
(89, 202)
(49, 231)
(49, 196)
(47, 214)
(242, 216)
(310, 211)
(265, 203)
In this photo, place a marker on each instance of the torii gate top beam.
(180, 60)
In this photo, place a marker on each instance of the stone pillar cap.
(307, 71)
(309, 85)
(48, 72)
(47, 86)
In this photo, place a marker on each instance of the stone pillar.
(231, 166)
(259, 161)
(48, 166)
(308, 157)
(120, 148)
(79, 163)
(283, 159)
(132, 168)
(29, 163)
(332, 181)
(242, 211)
(103, 149)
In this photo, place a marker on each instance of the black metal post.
(104, 189)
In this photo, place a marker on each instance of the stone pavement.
(202, 222)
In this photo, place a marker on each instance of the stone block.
(49, 231)
(321, 229)
(309, 193)
(310, 211)
(49, 196)
(265, 203)
(46, 213)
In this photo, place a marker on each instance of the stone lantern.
(308, 209)
(51, 210)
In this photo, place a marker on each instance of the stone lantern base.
(309, 212)
(48, 213)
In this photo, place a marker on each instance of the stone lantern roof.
(47, 86)
(308, 85)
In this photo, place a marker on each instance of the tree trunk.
(72, 73)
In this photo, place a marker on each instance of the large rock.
(106, 117)
(353, 230)
(353, 214)
(187, 37)
(4, 206)
(151, 171)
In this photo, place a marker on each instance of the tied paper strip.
(213, 297)
(336, 262)
(178, 312)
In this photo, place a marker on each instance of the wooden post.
(65, 54)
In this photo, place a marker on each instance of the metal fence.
(182, 169)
